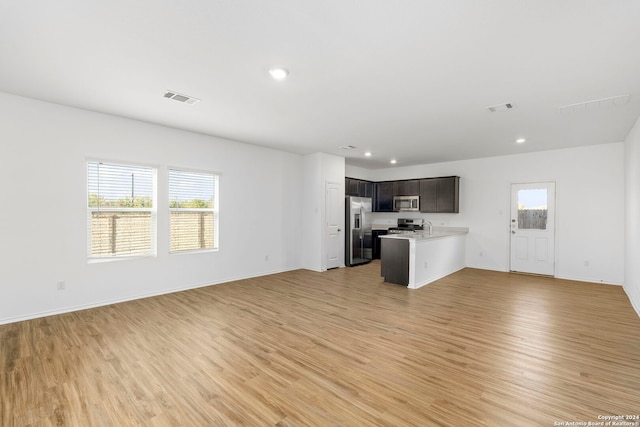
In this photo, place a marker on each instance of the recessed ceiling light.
(279, 73)
(367, 154)
(393, 161)
(520, 141)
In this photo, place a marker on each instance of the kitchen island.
(416, 259)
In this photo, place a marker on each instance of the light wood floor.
(337, 348)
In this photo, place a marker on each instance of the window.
(121, 210)
(193, 207)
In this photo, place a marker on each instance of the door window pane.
(532, 209)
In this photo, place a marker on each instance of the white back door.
(532, 228)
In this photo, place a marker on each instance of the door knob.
(513, 232)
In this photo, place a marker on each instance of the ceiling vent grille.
(348, 147)
(180, 97)
(595, 104)
(500, 107)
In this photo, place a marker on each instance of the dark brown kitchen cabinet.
(375, 234)
(394, 261)
(436, 194)
(352, 187)
(428, 190)
(448, 194)
(358, 187)
(383, 199)
(366, 189)
(440, 195)
(409, 187)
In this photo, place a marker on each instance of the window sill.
(117, 258)
(194, 251)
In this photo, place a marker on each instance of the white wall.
(43, 150)
(632, 216)
(361, 173)
(589, 206)
(319, 169)
(312, 212)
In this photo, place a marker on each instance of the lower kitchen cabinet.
(394, 266)
(376, 242)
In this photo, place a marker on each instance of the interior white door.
(334, 216)
(532, 228)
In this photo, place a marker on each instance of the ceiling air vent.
(180, 97)
(348, 147)
(500, 107)
(595, 104)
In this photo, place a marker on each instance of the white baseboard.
(486, 268)
(582, 279)
(71, 309)
(634, 304)
(433, 279)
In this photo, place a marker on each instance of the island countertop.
(416, 259)
(437, 232)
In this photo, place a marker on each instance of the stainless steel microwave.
(406, 203)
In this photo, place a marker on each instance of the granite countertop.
(437, 232)
(381, 226)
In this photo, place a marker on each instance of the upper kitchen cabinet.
(351, 187)
(428, 192)
(358, 187)
(366, 189)
(407, 188)
(384, 192)
(440, 195)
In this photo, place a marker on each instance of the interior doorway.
(334, 216)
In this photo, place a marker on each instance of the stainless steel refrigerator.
(358, 241)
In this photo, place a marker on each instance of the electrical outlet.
(586, 263)
(62, 285)
(266, 257)
(425, 264)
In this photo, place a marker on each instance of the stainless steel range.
(407, 225)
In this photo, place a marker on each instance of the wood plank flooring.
(477, 348)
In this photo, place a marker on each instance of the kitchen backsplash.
(390, 219)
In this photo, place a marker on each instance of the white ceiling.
(404, 79)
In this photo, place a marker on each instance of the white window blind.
(121, 210)
(193, 207)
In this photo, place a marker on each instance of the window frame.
(215, 210)
(153, 210)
